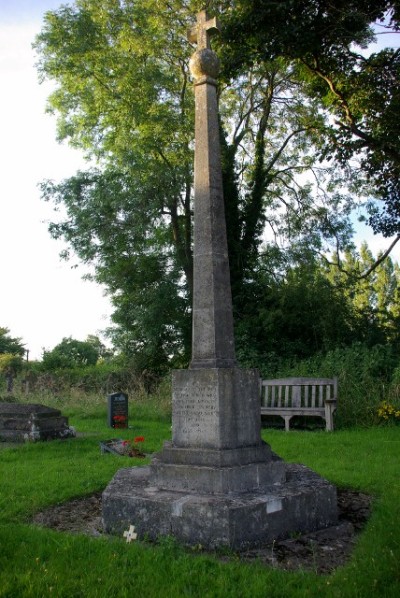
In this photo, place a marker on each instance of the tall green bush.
(103, 378)
(366, 375)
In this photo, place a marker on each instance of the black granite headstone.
(118, 410)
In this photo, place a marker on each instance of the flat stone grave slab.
(29, 422)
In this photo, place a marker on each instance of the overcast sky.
(42, 299)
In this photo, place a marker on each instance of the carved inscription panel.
(195, 412)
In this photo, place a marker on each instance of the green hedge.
(367, 376)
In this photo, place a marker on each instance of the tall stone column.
(213, 340)
(216, 483)
(215, 404)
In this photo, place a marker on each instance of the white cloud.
(42, 299)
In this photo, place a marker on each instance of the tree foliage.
(10, 364)
(9, 344)
(374, 299)
(361, 92)
(123, 95)
(71, 353)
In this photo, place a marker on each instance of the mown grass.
(37, 562)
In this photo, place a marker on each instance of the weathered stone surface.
(24, 409)
(217, 483)
(217, 480)
(218, 458)
(216, 408)
(204, 63)
(213, 339)
(320, 551)
(216, 443)
(305, 502)
(20, 422)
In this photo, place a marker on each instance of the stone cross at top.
(200, 33)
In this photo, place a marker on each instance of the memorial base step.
(304, 502)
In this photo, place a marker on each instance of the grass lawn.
(40, 562)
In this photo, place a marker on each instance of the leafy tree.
(123, 95)
(123, 98)
(373, 298)
(10, 365)
(386, 285)
(11, 352)
(11, 345)
(301, 313)
(70, 353)
(103, 351)
(271, 184)
(361, 94)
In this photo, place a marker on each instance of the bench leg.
(287, 419)
(329, 418)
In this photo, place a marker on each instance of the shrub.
(366, 376)
(387, 412)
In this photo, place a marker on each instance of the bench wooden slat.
(300, 411)
(300, 396)
(298, 381)
(296, 396)
(306, 396)
(321, 396)
(287, 396)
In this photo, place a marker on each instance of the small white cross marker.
(130, 534)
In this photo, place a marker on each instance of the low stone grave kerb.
(122, 448)
(30, 422)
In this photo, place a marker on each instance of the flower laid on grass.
(125, 448)
(131, 449)
(388, 412)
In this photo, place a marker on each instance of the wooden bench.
(287, 397)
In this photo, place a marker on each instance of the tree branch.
(283, 146)
(380, 259)
(369, 271)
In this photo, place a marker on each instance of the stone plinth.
(304, 502)
(217, 483)
(21, 422)
(216, 408)
(217, 444)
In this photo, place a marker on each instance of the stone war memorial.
(217, 483)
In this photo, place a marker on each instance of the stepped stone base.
(216, 471)
(28, 422)
(217, 483)
(303, 502)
